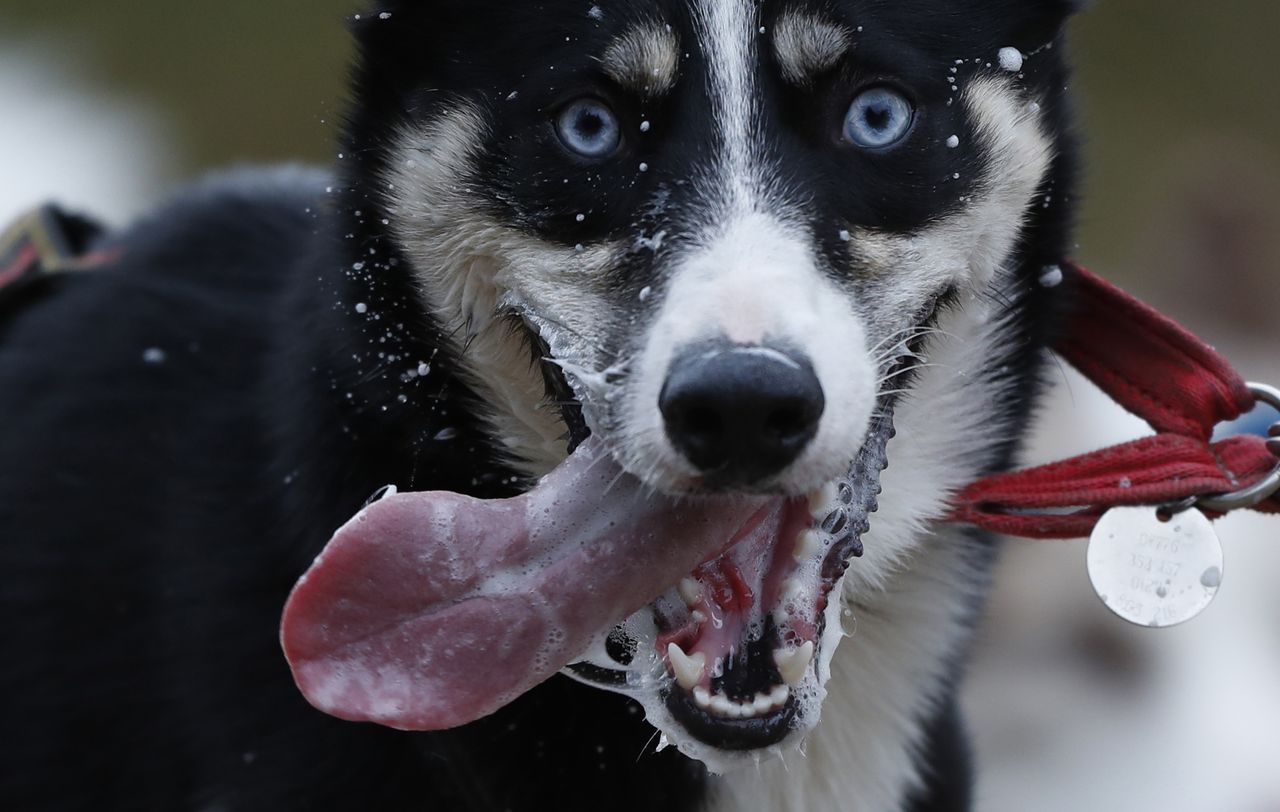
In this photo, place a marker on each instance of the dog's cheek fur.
(479, 277)
(967, 247)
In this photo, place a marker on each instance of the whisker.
(913, 368)
(647, 745)
(891, 392)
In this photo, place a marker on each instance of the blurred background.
(106, 108)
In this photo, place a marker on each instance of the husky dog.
(744, 251)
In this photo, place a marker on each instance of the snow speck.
(424, 370)
(1011, 59)
(953, 141)
(1051, 276)
(513, 95)
(386, 15)
(155, 356)
(596, 13)
(644, 167)
(845, 236)
(645, 126)
(581, 217)
(362, 308)
(645, 293)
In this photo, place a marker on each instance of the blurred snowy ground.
(67, 140)
(1073, 709)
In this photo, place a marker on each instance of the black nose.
(741, 413)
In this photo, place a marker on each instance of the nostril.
(788, 421)
(703, 420)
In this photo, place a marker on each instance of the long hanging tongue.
(431, 610)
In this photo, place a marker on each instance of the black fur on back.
(154, 515)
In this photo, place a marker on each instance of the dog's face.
(726, 222)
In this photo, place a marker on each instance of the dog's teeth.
(808, 546)
(793, 665)
(824, 500)
(699, 616)
(691, 591)
(760, 705)
(702, 697)
(688, 669)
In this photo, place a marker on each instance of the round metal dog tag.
(1152, 572)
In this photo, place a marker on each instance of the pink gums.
(742, 586)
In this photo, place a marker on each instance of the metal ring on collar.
(1264, 488)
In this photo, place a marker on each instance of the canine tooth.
(793, 664)
(691, 591)
(808, 545)
(688, 669)
(823, 501)
(702, 697)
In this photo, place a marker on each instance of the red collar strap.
(1162, 373)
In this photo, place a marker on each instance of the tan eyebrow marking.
(806, 45)
(645, 59)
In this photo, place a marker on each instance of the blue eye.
(589, 128)
(878, 118)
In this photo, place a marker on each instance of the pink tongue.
(430, 610)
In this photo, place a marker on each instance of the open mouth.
(402, 618)
(753, 623)
(738, 643)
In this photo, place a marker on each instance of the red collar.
(1162, 373)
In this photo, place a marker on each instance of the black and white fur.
(321, 337)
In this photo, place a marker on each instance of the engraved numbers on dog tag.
(1152, 572)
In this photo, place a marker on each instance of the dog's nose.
(741, 413)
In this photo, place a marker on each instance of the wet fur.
(154, 516)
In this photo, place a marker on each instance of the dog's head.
(728, 226)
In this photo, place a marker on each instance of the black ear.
(1041, 21)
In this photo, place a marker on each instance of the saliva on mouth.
(733, 661)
